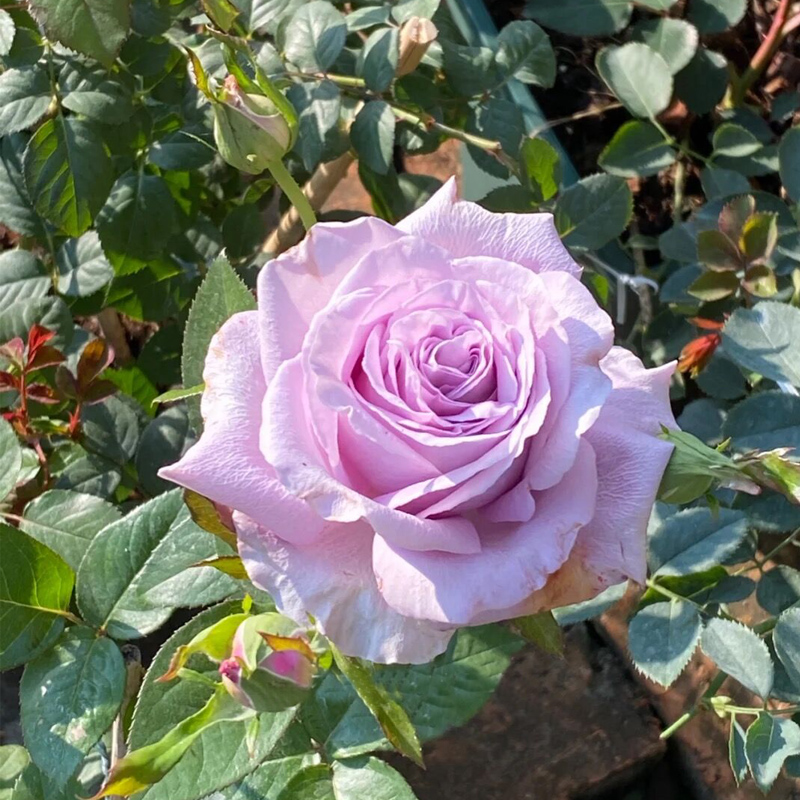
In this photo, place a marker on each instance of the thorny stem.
(759, 563)
(677, 198)
(589, 112)
(712, 689)
(651, 584)
(427, 122)
(765, 53)
(756, 711)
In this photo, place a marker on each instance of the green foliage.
(133, 598)
(593, 211)
(66, 522)
(221, 295)
(765, 339)
(638, 76)
(770, 740)
(740, 653)
(133, 144)
(35, 592)
(662, 638)
(69, 697)
(637, 148)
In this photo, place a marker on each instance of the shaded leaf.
(315, 36)
(82, 266)
(673, 39)
(638, 76)
(637, 148)
(581, 17)
(770, 741)
(739, 652)
(68, 173)
(96, 28)
(66, 522)
(22, 277)
(662, 638)
(542, 630)
(69, 698)
(766, 339)
(25, 96)
(593, 211)
(136, 221)
(695, 539)
(372, 135)
(35, 590)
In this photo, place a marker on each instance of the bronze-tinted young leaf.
(230, 565)
(759, 236)
(712, 286)
(717, 251)
(208, 517)
(542, 630)
(46, 356)
(390, 714)
(760, 281)
(734, 214)
(96, 356)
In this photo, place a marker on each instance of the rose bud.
(249, 132)
(416, 36)
(267, 672)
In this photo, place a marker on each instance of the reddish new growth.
(695, 356)
(24, 375)
(24, 361)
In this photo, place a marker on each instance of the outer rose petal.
(630, 462)
(226, 465)
(333, 581)
(297, 284)
(466, 229)
(515, 561)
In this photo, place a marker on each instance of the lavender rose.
(425, 427)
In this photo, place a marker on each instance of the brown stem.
(114, 333)
(765, 53)
(318, 189)
(134, 673)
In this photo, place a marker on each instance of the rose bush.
(426, 426)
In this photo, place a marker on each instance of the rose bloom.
(426, 426)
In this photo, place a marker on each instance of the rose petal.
(630, 462)
(287, 443)
(515, 561)
(333, 581)
(226, 465)
(466, 229)
(297, 284)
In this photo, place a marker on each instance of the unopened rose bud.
(291, 666)
(416, 36)
(280, 679)
(249, 132)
